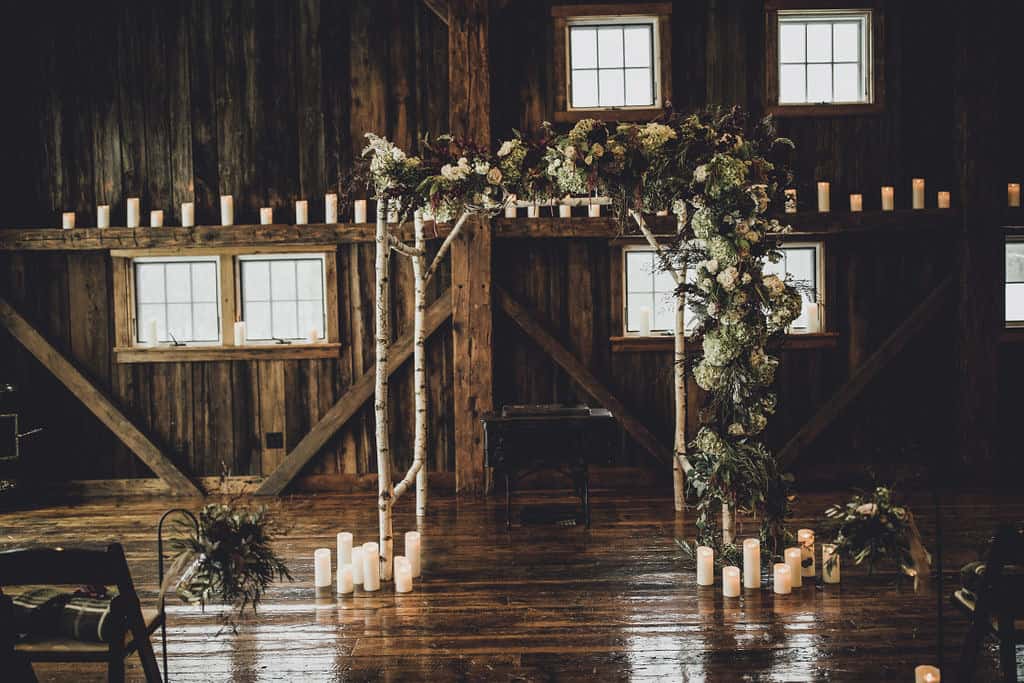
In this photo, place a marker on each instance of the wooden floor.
(540, 603)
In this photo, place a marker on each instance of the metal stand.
(160, 573)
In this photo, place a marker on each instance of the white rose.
(494, 176)
(867, 510)
(700, 174)
(712, 265)
(505, 149)
(570, 152)
(728, 277)
(712, 309)
(482, 167)
(448, 172)
(463, 162)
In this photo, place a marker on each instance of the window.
(1014, 282)
(802, 262)
(650, 294)
(177, 297)
(283, 296)
(824, 57)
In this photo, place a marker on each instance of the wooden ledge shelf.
(189, 354)
(666, 343)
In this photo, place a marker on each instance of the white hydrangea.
(728, 278)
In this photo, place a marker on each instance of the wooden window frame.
(126, 350)
(562, 16)
(876, 62)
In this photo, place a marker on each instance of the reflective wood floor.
(539, 603)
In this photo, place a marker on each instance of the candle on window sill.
(942, 200)
(314, 336)
(152, 337)
(345, 584)
(371, 566)
(240, 333)
(403, 575)
(888, 198)
(357, 565)
(644, 325)
(805, 537)
(856, 202)
(331, 209)
(731, 582)
(321, 568)
(824, 197)
(188, 214)
(705, 566)
(266, 216)
(813, 313)
(344, 548)
(227, 209)
(103, 216)
(917, 197)
(156, 218)
(412, 551)
(359, 211)
(301, 212)
(925, 673)
(1013, 194)
(752, 563)
(792, 557)
(791, 200)
(782, 579)
(67, 220)
(594, 210)
(828, 550)
(133, 212)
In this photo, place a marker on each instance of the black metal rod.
(160, 573)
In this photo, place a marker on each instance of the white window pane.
(311, 280)
(638, 45)
(584, 88)
(179, 322)
(819, 82)
(282, 280)
(583, 48)
(800, 264)
(664, 283)
(311, 317)
(639, 268)
(257, 321)
(664, 313)
(791, 42)
(285, 324)
(846, 42)
(148, 312)
(792, 83)
(149, 279)
(778, 269)
(609, 47)
(256, 280)
(819, 42)
(1015, 302)
(847, 83)
(639, 88)
(204, 281)
(689, 319)
(635, 303)
(205, 323)
(612, 92)
(801, 321)
(1015, 262)
(179, 282)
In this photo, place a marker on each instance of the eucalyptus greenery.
(871, 528)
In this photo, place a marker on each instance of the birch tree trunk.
(419, 364)
(728, 528)
(382, 335)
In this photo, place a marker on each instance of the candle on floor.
(644, 325)
(782, 579)
(240, 333)
(188, 214)
(345, 585)
(156, 218)
(152, 333)
(357, 565)
(301, 212)
(359, 211)
(344, 548)
(856, 202)
(412, 551)
(1013, 194)
(791, 200)
(594, 210)
(67, 220)
(565, 209)
(533, 210)
(705, 566)
(751, 563)
(331, 209)
(227, 209)
(321, 568)
(731, 582)
(828, 550)
(824, 197)
(266, 216)
(805, 537)
(926, 673)
(917, 189)
(792, 557)
(942, 199)
(403, 575)
(103, 216)
(888, 198)
(371, 566)
(133, 212)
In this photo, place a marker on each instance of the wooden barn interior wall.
(268, 102)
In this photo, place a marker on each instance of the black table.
(525, 439)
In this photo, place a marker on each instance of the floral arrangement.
(466, 179)
(392, 174)
(524, 174)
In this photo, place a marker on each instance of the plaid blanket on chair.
(83, 615)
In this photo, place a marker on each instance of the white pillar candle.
(322, 567)
(790, 200)
(917, 192)
(103, 216)
(403, 575)
(188, 214)
(266, 216)
(344, 548)
(565, 208)
(813, 313)
(412, 551)
(594, 210)
(925, 673)
(888, 198)
(662, 212)
(240, 333)
(331, 209)
(152, 333)
(227, 209)
(942, 199)
(644, 324)
(752, 563)
(1013, 194)
(532, 211)
(133, 212)
(792, 557)
(705, 566)
(358, 210)
(856, 202)
(824, 197)
(731, 582)
(67, 220)
(345, 584)
(805, 537)
(371, 566)
(156, 218)
(510, 207)
(301, 212)
(357, 565)
(829, 575)
(782, 579)
(313, 336)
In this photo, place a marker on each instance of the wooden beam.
(580, 374)
(350, 402)
(97, 402)
(439, 8)
(469, 77)
(867, 371)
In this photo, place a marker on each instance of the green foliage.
(871, 528)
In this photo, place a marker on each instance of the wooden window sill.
(574, 115)
(1012, 334)
(193, 354)
(666, 343)
(824, 110)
